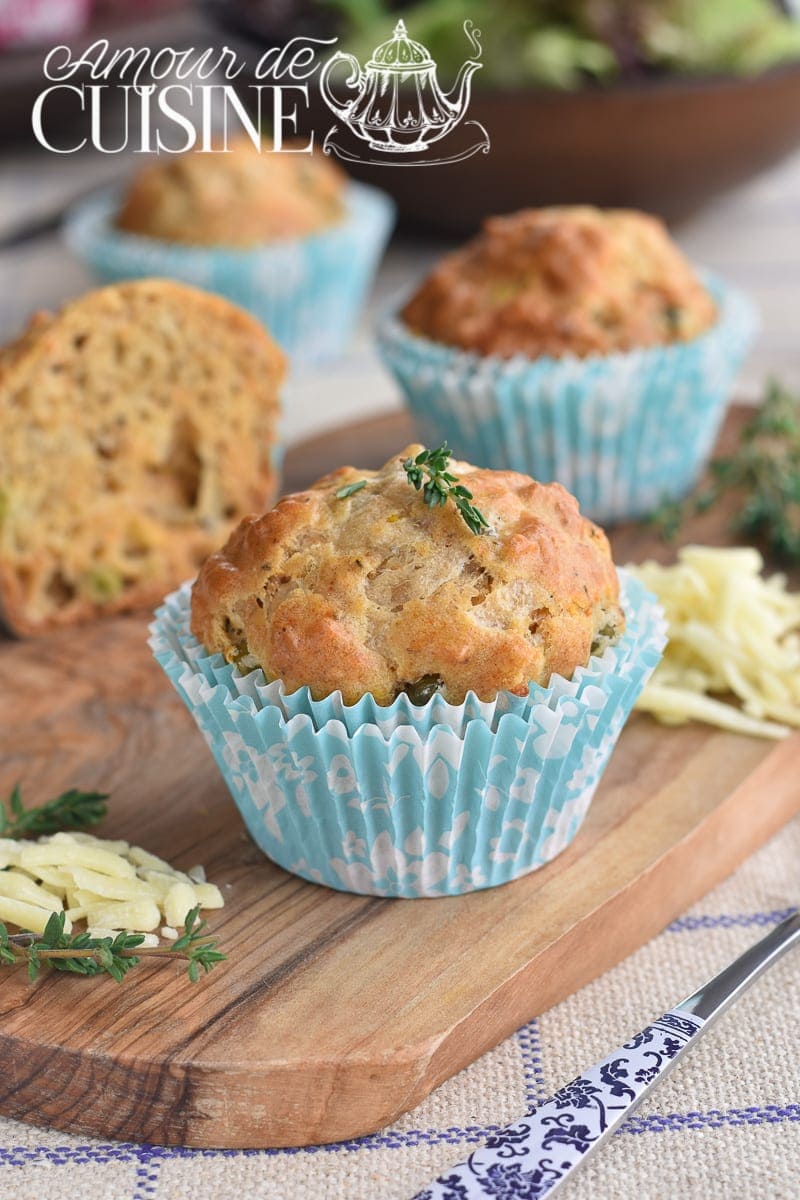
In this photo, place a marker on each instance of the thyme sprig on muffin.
(427, 471)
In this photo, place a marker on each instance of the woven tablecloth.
(724, 1125)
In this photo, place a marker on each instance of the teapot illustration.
(399, 105)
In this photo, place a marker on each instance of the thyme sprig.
(764, 471)
(428, 473)
(71, 810)
(82, 954)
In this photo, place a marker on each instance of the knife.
(535, 1156)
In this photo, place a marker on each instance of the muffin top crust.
(375, 592)
(566, 280)
(238, 198)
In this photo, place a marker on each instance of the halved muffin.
(137, 427)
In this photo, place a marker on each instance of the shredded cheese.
(731, 632)
(110, 885)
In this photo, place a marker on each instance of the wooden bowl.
(664, 145)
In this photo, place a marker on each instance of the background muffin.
(571, 280)
(137, 427)
(283, 234)
(378, 593)
(237, 198)
(574, 345)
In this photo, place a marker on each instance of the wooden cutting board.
(334, 1013)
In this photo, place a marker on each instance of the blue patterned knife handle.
(527, 1160)
(535, 1156)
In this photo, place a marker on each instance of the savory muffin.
(137, 427)
(557, 281)
(238, 198)
(367, 589)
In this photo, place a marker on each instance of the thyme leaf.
(350, 489)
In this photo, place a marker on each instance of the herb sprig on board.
(82, 954)
(71, 810)
(764, 470)
(428, 473)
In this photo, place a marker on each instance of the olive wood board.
(334, 1013)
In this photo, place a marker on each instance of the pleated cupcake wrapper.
(308, 292)
(413, 812)
(387, 718)
(623, 432)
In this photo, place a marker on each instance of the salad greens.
(565, 44)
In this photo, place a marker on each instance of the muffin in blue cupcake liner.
(412, 809)
(307, 291)
(623, 432)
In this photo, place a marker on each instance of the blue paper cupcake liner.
(308, 292)
(410, 810)
(623, 432)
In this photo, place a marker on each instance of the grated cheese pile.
(730, 631)
(110, 885)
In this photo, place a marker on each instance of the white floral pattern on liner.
(414, 811)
